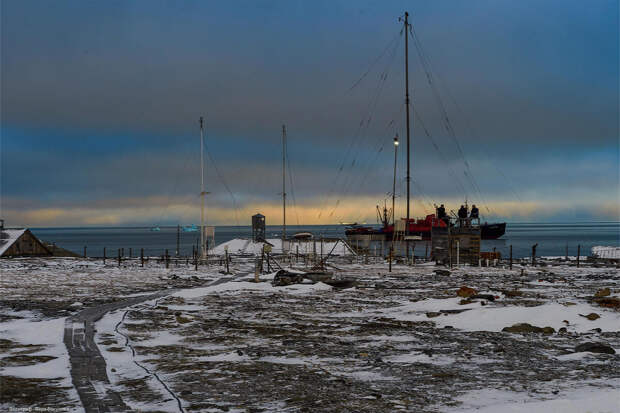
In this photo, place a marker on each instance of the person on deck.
(474, 212)
(462, 212)
(441, 212)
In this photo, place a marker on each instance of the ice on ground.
(245, 286)
(494, 316)
(232, 356)
(47, 333)
(419, 357)
(585, 399)
(121, 367)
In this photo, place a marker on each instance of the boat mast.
(408, 127)
(283, 184)
(203, 249)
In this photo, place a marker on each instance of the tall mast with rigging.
(283, 184)
(406, 22)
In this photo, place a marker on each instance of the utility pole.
(283, 185)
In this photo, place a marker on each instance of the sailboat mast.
(283, 184)
(203, 249)
(408, 127)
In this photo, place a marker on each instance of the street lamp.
(394, 183)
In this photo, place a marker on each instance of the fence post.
(458, 253)
(84, 251)
(534, 254)
(104, 255)
(226, 252)
(511, 256)
(578, 253)
(566, 253)
(119, 257)
(166, 258)
(390, 258)
(141, 257)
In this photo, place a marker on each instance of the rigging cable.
(364, 122)
(425, 61)
(232, 196)
(348, 184)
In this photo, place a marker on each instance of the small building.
(258, 227)
(21, 243)
(456, 245)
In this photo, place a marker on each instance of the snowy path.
(88, 367)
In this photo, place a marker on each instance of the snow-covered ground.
(316, 246)
(606, 252)
(399, 341)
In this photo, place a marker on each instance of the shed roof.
(8, 237)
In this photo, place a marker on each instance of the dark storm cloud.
(101, 100)
(520, 71)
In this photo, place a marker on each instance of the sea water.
(553, 239)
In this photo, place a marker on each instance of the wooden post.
(166, 258)
(297, 254)
(256, 269)
(84, 251)
(578, 253)
(566, 253)
(227, 269)
(141, 257)
(130, 252)
(122, 252)
(426, 252)
(511, 256)
(195, 251)
(390, 258)
(119, 257)
(104, 255)
(534, 254)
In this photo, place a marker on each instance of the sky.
(514, 108)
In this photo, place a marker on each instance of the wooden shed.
(21, 243)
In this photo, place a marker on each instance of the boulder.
(441, 272)
(595, 348)
(488, 297)
(591, 316)
(523, 328)
(603, 293)
(466, 292)
(609, 302)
